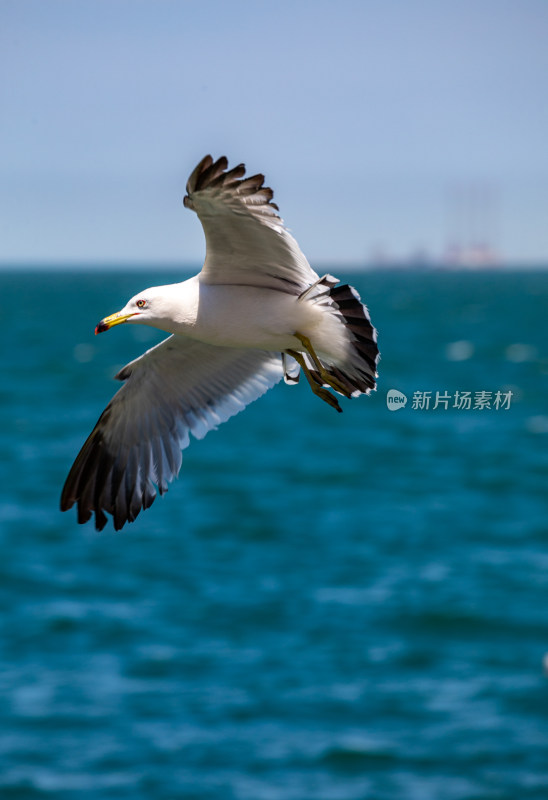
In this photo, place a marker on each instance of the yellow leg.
(318, 390)
(324, 374)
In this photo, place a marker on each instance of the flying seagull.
(255, 313)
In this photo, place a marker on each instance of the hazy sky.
(369, 118)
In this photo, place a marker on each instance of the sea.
(323, 606)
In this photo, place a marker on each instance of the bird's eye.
(141, 303)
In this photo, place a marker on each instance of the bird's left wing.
(246, 240)
(179, 387)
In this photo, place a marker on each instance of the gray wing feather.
(179, 387)
(246, 240)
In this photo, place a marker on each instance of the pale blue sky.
(366, 117)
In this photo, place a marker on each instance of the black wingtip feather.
(210, 174)
(94, 481)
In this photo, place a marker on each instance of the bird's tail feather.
(356, 373)
(360, 372)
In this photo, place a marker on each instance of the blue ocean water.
(323, 606)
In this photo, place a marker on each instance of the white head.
(151, 307)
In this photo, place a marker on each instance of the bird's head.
(146, 308)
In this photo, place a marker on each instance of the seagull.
(255, 313)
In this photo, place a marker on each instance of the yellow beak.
(114, 319)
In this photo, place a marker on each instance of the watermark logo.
(395, 400)
(460, 400)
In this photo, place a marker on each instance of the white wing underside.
(179, 387)
(246, 240)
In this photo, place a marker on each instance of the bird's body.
(255, 298)
(245, 316)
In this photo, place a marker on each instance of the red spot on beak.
(101, 328)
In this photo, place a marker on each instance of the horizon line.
(193, 266)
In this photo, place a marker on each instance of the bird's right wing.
(246, 240)
(181, 386)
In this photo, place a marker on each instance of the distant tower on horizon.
(472, 224)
